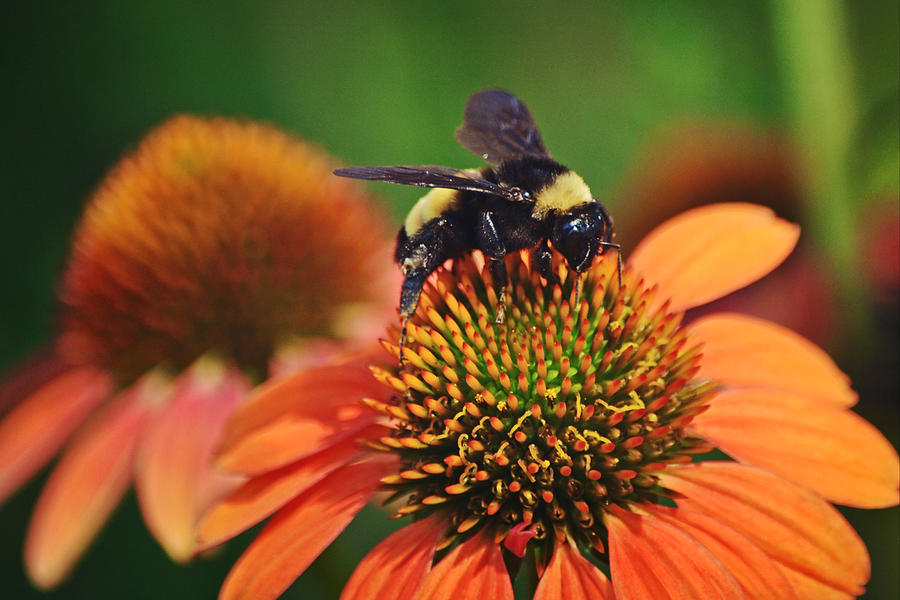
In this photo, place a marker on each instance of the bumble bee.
(524, 200)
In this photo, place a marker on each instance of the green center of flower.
(544, 420)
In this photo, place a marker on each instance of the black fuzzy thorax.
(530, 173)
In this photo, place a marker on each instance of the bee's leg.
(409, 295)
(578, 283)
(409, 300)
(544, 261)
(416, 268)
(495, 250)
(498, 274)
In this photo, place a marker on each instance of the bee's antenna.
(619, 265)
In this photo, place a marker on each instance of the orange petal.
(570, 576)
(34, 430)
(300, 531)
(292, 439)
(755, 572)
(261, 496)
(86, 485)
(743, 351)
(301, 392)
(794, 526)
(394, 569)
(294, 417)
(650, 559)
(830, 450)
(474, 569)
(711, 251)
(174, 458)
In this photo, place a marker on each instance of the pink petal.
(395, 568)
(173, 463)
(570, 576)
(743, 351)
(88, 483)
(830, 450)
(708, 252)
(649, 559)
(474, 569)
(792, 525)
(300, 531)
(517, 538)
(35, 430)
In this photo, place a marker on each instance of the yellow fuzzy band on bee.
(431, 205)
(567, 191)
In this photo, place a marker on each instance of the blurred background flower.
(385, 85)
(218, 254)
(701, 163)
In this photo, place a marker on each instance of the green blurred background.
(386, 84)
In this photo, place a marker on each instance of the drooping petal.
(516, 540)
(650, 559)
(36, 429)
(708, 252)
(474, 569)
(88, 483)
(173, 462)
(288, 419)
(830, 450)
(757, 574)
(261, 496)
(570, 576)
(794, 526)
(300, 531)
(395, 568)
(744, 351)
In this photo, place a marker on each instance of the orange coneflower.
(560, 442)
(196, 271)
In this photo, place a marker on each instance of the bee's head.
(582, 232)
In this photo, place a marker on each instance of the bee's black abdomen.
(402, 242)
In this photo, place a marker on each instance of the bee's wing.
(497, 126)
(434, 176)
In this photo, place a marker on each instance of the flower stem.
(818, 76)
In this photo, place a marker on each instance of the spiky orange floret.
(215, 235)
(548, 419)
